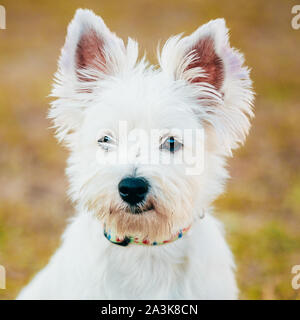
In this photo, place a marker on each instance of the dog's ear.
(91, 50)
(215, 72)
(91, 53)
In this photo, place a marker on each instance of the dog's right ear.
(90, 54)
(206, 62)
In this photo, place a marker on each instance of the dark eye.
(106, 142)
(105, 139)
(171, 144)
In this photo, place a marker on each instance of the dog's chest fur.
(198, 266)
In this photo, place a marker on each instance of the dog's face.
(133, 130)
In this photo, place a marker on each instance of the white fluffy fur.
(199, 266)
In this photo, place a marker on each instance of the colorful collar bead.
(129, 239)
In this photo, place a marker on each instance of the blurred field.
(261, 207)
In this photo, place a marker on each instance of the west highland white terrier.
(148, 148)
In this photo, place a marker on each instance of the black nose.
(133, 190)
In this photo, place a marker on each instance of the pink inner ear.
(209, 61)
(89, 53)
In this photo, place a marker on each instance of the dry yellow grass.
(261, 207)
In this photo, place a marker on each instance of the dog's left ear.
(91, 50)
(91, 53)
(215, 73)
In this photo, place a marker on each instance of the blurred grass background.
(261, 207)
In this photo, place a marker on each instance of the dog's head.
(133, 129)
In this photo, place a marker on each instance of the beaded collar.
(113, 238)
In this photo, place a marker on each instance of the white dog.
(145, 230)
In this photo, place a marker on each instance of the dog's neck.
(125, 241)
(114, 238)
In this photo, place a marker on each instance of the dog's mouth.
(140, 209)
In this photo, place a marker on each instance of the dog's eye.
(171, 144)
(105, 139)
(105, 142)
